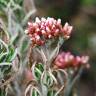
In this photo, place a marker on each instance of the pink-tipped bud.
(84, 59)
(37, 37)
(65, 26)
(37, 20)
(70, 29)
(48, 30)
(43, 19)
(29, 23)
(58, 21)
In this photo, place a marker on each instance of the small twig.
(68, 89)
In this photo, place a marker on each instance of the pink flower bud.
(30, 24)
(37, 20)
(58, 21)
(67, 29)
(84, 59)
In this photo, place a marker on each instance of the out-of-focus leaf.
(51, 93)
(24, 45)
(2, 92)
(3, 3)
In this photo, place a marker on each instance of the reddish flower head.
(42, 30)
(65, 60)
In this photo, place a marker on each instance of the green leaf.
(24, 45)
(35, 93)
(47, 80)
(38, 71)
(11, 55)
(2, 92)
(51, 93)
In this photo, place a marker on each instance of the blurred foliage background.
(79, 13)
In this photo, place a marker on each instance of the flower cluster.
(66, 59)
(42, 30)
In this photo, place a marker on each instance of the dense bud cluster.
(42, 30)
(66, 59)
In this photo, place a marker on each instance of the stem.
(69, 86)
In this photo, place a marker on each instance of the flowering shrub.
(53, 73)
